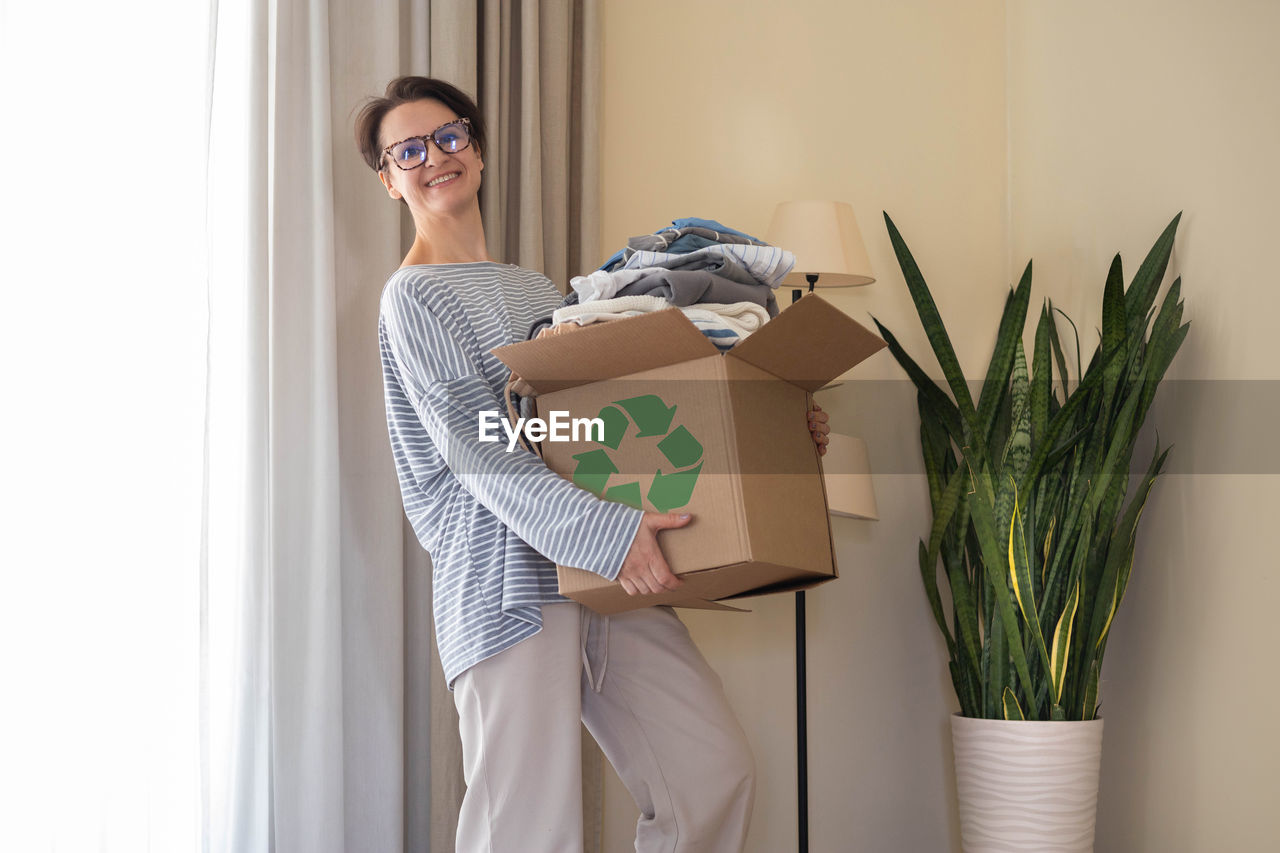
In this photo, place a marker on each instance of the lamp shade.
(825, 238)
(846, 473)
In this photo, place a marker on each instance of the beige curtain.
(534, 68)
(326, 725)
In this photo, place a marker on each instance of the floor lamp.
(825, 238)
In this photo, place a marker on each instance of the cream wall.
(992, 132)
(896, 107)
(1122, 114)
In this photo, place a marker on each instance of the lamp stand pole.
(802, 684)
(802, 727)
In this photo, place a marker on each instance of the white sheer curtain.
(271, 620)
(317, 624)
(215, 623)
(326, 728)
(102, 353)
(317, 621)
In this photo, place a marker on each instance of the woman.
(524, 663)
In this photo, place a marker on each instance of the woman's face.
(446, 183)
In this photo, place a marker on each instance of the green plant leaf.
(1056, 345)
(1008, 340)
(1069, 534)
(998, 667)
(933, 326)
(1076, 333)
(1041, 377)
(1170, 314)
(982, 511)
(1089, 706)
(1146, 283)
(963, 591)
(929, 574)
(1062, 644)
(1048, 538)
(1017, 456)
(1113, 332)
(964, 685)
(936, 448)
(1140, 498)
(944, 512)
(1027, 493)
(1080, 398)
(1077, 572)
(1115, 574)
(1119, 450)
(1012, 710)
(1166, 337)
(940, 405)
(1019, 569)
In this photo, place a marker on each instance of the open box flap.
(607, 350)
(808, 344)
(702, 604)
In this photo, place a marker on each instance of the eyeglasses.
(449, 138)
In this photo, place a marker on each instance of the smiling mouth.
(443, 179)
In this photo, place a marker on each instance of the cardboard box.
(721, 436)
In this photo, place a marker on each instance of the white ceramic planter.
(1027, 786)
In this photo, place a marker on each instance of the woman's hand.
(645, 570)
(818, 428)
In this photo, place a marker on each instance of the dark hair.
(404, 90)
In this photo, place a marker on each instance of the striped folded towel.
(724, 324)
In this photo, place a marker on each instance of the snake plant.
(1030, 527)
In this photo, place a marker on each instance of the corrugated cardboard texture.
(717, 535)
(760, 522)
(730, 581)
(612, 598)
(808, 344)
(831, 540)
(801, 581)
(606, 350)
(781, 483)
(700, 590)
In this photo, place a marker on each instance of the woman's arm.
(565, 523)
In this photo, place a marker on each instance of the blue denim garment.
(695, 242)
(693, 222)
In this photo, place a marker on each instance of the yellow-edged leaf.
(1062, 643)
(1119, 591)
(1020, 576)
(1048, 541)
(1111, 614)
(1012, 710)
(1013, 562)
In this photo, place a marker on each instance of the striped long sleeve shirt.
(492, 520)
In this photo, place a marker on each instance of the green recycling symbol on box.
(668, 489)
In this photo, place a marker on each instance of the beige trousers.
(650, 700)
